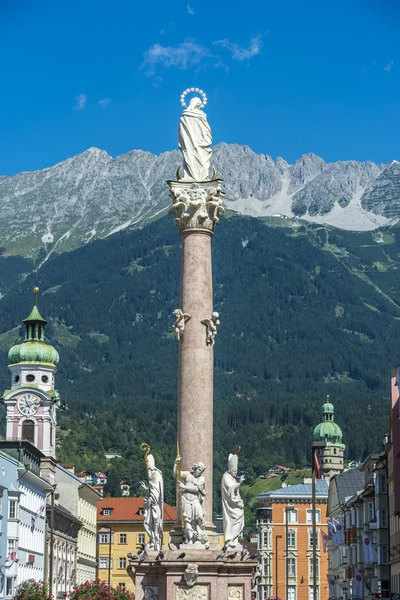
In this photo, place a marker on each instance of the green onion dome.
(328, 431)
(34, 349)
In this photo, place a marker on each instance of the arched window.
(28, 431)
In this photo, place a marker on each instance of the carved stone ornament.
(211, 325)
(151, 592)
(199, 592)
(191, 574)
(196, 205)
(181, 319)
(235, 592)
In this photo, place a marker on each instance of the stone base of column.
(177, 543)
(197, 576)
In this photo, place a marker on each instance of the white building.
(81, 500)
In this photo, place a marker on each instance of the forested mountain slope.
(305, 311)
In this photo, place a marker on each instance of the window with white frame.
(141, 538)
(267, 539)
(291, 515)
(104, 538)
(13, 509)
(10, 586)
(291, 565)
(11, 545)
(107, 512)
(381, 484)
(292, 538)
(317, 515)
(122, 586)
(370, 512)
(267, 567)
(122, 538)
(311, 568)
(383, 555)
(311, 593)
(122, 563)
(291, 592)
(103, 562)
(311, 538)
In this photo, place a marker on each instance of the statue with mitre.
(232, 503)
(153, 502)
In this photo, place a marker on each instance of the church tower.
(32, 402)
(330, 458)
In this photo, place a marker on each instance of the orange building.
(123, 518)
(288, 549)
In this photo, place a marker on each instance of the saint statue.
(192, 491)
(232, 503)
(153, 504)
(194, 141)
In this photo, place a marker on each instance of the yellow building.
(122, 518)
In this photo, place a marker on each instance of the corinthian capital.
(196, 205)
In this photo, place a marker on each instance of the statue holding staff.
(232, 503)
(192, 492)
(153, 502)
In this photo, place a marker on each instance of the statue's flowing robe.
(195, 139)
(153, 517)
(232, 509)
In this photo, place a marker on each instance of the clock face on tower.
(28, 404)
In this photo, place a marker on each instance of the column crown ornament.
(196, 205)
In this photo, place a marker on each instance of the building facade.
(285, 542)
(81, 500)
(120, 530)
(392, 450)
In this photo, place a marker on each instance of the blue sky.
(283, 77)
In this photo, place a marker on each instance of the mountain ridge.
(92, 195)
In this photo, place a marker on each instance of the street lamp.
(276, 565)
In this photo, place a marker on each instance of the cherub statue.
(211, 325)
(181, 319)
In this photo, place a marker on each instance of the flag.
(332, 587)
(367, 548)
(339, 532)
(316, 465)
(332, 532)
(357, 584)
(325, 538)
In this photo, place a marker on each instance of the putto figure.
(232, 503)
(153, 502)
(194, 139)
(192, 493)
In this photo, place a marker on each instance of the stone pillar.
(197, 206)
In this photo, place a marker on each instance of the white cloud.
(190, 9)
(103, 103)
(240, 53)
(81, 102)
(183, 56)
(389, 66)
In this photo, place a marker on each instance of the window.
(104, 538)
(291, 592)
(122, 563)
(10, 586)
(382, 518)
(267, 567)
(310, 538)
(16, 378)
(122, 586)
(317, 515)
(291, 515)
(13, 509)
(11, 545)
(311, 593)
(30, 378)
(107, 512)
(122, 538)
(312, 570)
(45, 378)
(291, 538)
(381, 484)
(267, 539)
(103, 562)
(141, 538)
(383, 555)
(291, 567)
(28, 431)
(370, 511)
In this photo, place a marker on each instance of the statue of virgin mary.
(194, 141)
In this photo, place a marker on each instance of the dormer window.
(141, 512)
(107, 512)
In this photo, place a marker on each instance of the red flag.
(316, 465)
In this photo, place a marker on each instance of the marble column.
(197, 207)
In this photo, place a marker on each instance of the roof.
(102, 475)
(301, 490)
(348, 483)
(127, 509)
